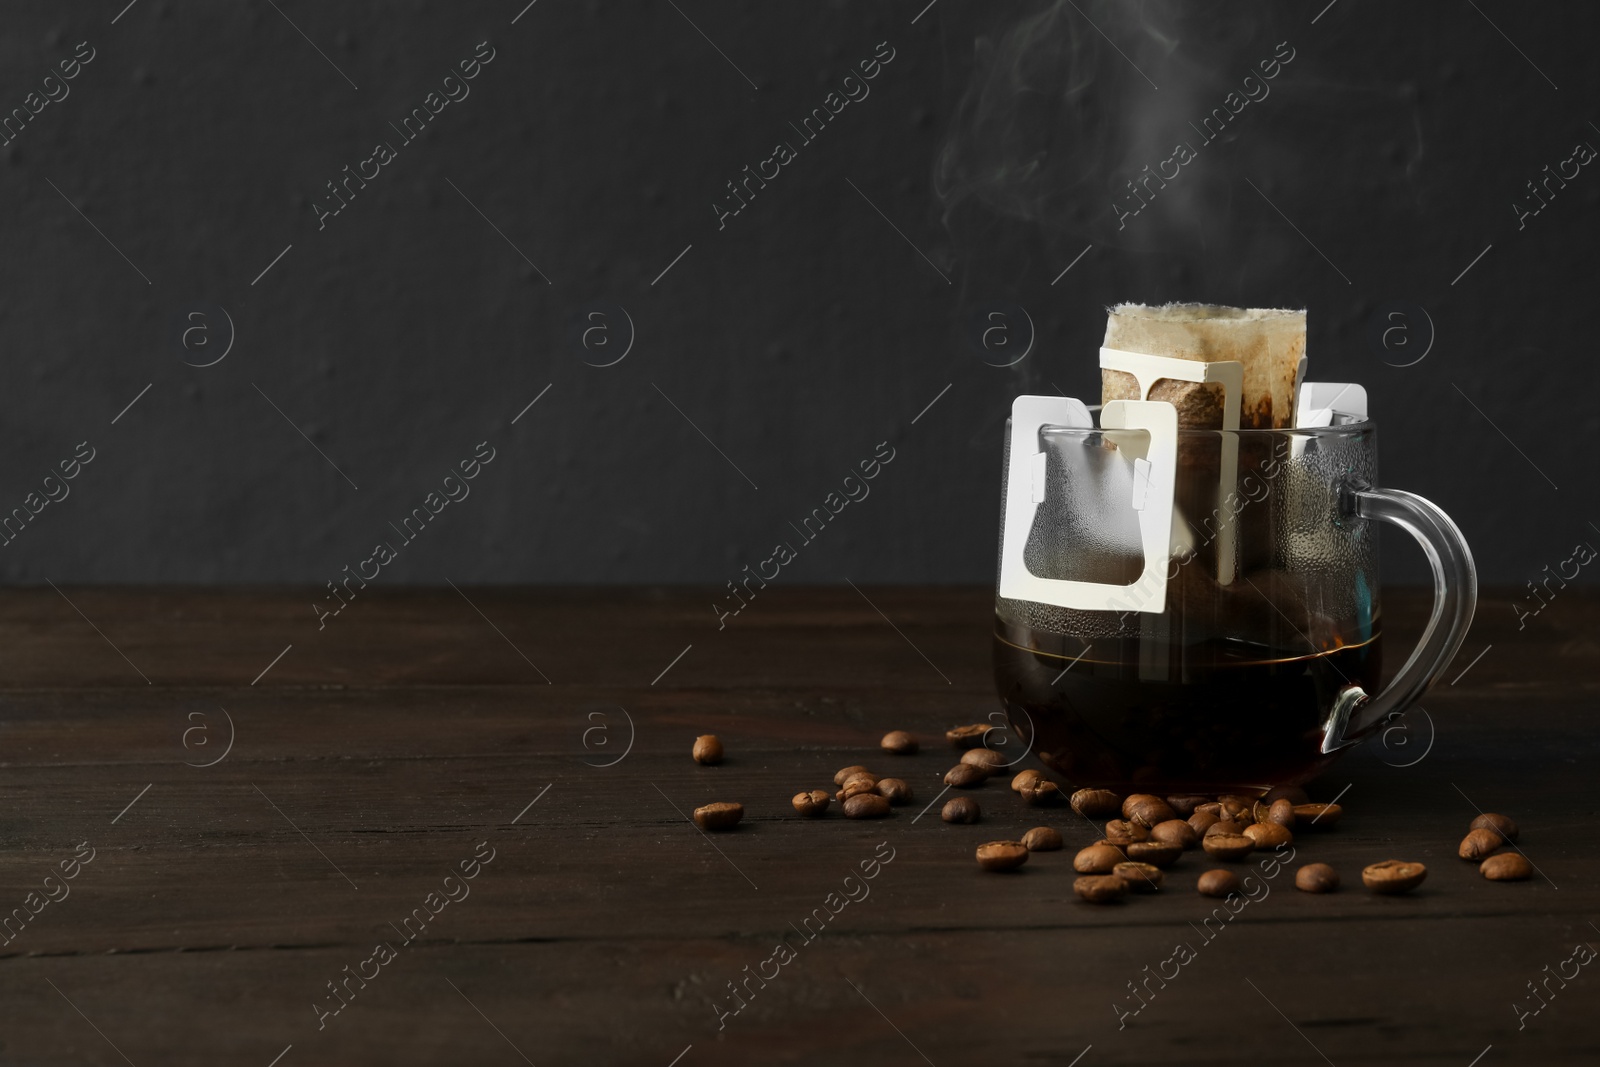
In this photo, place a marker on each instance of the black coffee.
(1218, 716)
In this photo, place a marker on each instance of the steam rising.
(1062, 121)
(1038, 123)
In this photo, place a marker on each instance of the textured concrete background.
(191, 149)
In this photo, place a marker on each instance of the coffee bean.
(707, 750)
(1156, 852)
(1141, 877)
(960, 810)
(1202, 821)
(1230, 847)
(1002, 855)
(1147, 810)
(813, 803)
(1042, 839)
(1123, 832)
(1209, 808)
(1317, 816)
(1393, 876)
(1316, 878)
(1237, 810)
(1226, 826)
(965, 776)
(1500, 824)
(844, 774)
(1096, 803)
(1217, 883)
(862, 776)
(986, 758)
(1184, 806)
(1175, 832)
(1280, 811)
(898, 742)
(1097, 859)
(1023, 777)
(1039, 792)
(1506, 867)
(866, 806)
(1292, 793)
(894, 790)
(1268, 835)
(968, 736)
(854, 788)
(1479, 843)
(718, 816)
(1100, 888)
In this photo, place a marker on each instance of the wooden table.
(374, 757)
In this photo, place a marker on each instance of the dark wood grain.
(382, 750)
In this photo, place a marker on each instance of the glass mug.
(1254, 675)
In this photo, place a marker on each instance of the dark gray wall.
(806, 330)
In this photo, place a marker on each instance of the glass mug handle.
(1455, 595)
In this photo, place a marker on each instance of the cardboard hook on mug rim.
(1026, 487)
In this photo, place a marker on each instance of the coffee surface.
(1215, 716)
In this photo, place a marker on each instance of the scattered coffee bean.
(1479, 843)
(1156, 852)
(1230, 847)
(1317, 816)
(1292, 793)
(1147, 810)
(1217, 883)
(1203, 821)
(960, 810)
(895, 790)
(1042, 839)
(719, 816)
(1506, 867)
(1500, 824)
(1268, 834)
(844, 774)
(707, 750)
(1002, 855)
(987, 758)
(1175, 832)
(1023, 777)
(862, 776)
(1141, 877)
(1039, 792)
(1226, 826)
(813, 803)
(866, 806)
(1100, 888)
(968, 736)
(1184, 806)
(854, 788)
(1393, 876)
(965, 776)
(1209, 808)
(898, 742)
(1316, 878)
(1096, 803)
(1097, 859)
(1123, 832)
